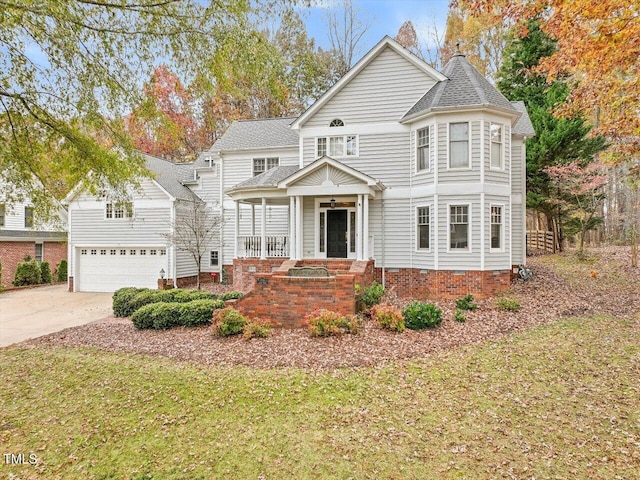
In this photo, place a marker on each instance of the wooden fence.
(542, 240)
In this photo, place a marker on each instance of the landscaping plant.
(459, 316)
(507, 304)
(388, 317)
(45, 273)
(371, 295)
(419, 315)
(61, 271)
(27, 273)
(466, 303)
(325, 323)
(256, 328)
(228, 321)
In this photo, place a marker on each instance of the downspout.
(383, 244)
(221, 226)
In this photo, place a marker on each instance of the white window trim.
(458, 169)
(344, 138)
(125, 215)
(502, 230)
(501, 168)
(253, 164)
(417, 226)
(35, 256)
(211, 264)
(469, 249)
(419, 171)
(316, 230)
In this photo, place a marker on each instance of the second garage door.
(101, 269)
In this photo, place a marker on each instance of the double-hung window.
(459, 145)
(459, 227)
(119, 210)
(28, 217)
(2, 213)
(423, 228)
(213, 258)
(496, 146)
(337, 146)
(39, 253)
(496, 227)
(261, 165)
(422, 145)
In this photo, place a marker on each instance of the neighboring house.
(23, 234)
(414, 175)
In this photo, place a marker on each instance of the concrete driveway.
(38, 311)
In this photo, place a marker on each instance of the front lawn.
(558, 401)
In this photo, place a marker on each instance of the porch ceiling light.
(332, 202)
(162, 273)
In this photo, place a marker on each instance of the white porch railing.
(250, 246)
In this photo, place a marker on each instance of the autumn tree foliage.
(598, 51)
(168, 122)
(580, 193)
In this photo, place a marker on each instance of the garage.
(105, 269)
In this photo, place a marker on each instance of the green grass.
(561, 401)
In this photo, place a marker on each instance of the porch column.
(263, 230)
(365, 228)
(359, 228)
(236, 232)
(292, 228)
(299, 227)
(253, 219)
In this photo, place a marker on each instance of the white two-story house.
(417, 172)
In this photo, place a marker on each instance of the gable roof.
(464, 87)
(523, 126)
(268, 179)
(358, 67)
(170, 176)
(323, 161)
(257, 134)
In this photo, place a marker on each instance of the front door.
(336, 234)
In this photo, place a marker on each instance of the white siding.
(398, 242)
(308, 227)
(383, 91)
(458, 175)
(456, 259)
(497, 260)
(519, 202)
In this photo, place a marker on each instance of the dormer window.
(336, 122)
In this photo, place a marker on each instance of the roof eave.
(459, 108)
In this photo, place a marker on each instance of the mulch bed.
(545, 298)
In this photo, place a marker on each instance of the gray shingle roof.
(32, 234)
(170, 175)
(465, 87)
(270, 178)
(257, 134)
(523, 126)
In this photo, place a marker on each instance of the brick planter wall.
(287, 300)
(244, 270)
(431, 284)
(12, 253)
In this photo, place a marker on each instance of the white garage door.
(101, 269)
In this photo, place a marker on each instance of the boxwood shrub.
(227, 322)
(129, 299)
(166, 315)
(230, 296)
(121, 299)
(198, 312)
(420, 315)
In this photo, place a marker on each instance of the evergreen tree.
(558, 140)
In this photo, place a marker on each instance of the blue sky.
(385, 18)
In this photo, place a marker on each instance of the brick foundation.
(12, 253)
(431, 284)
(287, 300)
(205, 277)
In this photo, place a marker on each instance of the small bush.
(184, 296)
(27, 273)
(230, 296)
(256, 328)
(143, 318)
(506, 304)
(388, 317)
(228, 321)
(159, 316)
(198, 312)
(371, 295)
(121, 299)
(61, 271)
(459, 316)
(142, 298)
(466, 303)
(45, 273)
(418, 316)
(325, 323)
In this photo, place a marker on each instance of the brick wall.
(287, 300)
(12, 253)
(430, 284)
(244, 270)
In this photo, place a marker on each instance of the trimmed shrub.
(121, 299)
(159, 316)
(506, 304)
(466, 303)
(418, 316)
(371, 295)
(198, 312)
(230, 296)
(256, 328)
(142, 298)
(388, 317)
(184, 296)
(61, 271)
(459, 316)
(45, 273)
(27, 273)
(325, 323)
(143, 318)
(228, 321)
